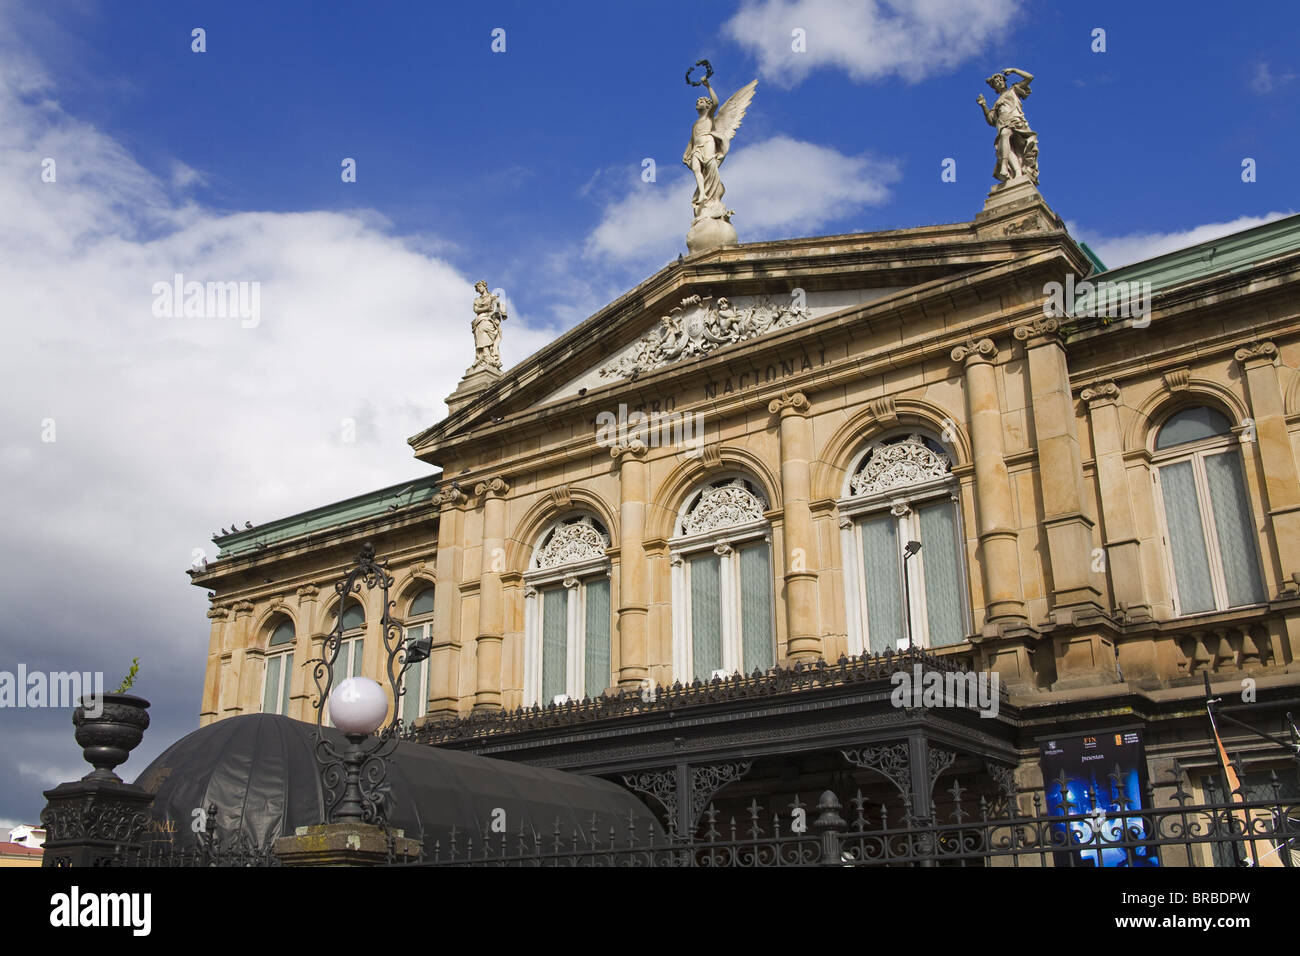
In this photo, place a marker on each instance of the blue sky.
(523, 167)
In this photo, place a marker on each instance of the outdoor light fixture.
(909, 550)
(358, 706)
(354, 777)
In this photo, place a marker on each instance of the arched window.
(352, 645)
(415, 684)
(279, 668)
(567, 613)
(901, 533)
(723, 613)
(1210, 534)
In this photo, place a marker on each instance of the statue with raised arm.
(1016, 145)
(711, 136)
(489, 313)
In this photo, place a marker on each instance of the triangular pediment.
(740, 298)
(699, 325)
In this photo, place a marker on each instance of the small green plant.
(129, 679)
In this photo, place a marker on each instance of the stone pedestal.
(706, 234)
(474, 382)
(343, 844)
(93, 822)
(1015, 210)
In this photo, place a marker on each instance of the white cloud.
(167, 428)
(1116, 251)
(868, 39)
(1264, 81)
(779, 187)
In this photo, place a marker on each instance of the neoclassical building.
(771, 463)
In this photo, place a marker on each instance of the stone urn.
(108, 738)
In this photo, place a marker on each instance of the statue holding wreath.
(711, 137)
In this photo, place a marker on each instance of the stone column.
(633, 580)
(302, 687)
(233, 675)
(444, 655)
(487, 694)
(1000, 559)
(803, 626)
(1060, 474)
(212, 675)
(1119, 525)
(1281, 484)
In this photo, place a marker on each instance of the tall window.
(352, 645)
(723, 613)
(279, 669)
(567, 614)
(1210, 531)
(415, 684)
(901, 535)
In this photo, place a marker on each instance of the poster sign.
(1097, 781)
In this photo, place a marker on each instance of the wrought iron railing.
(970, 832)
(774, 682)
(1011, 829)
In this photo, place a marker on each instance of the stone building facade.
(726, 471)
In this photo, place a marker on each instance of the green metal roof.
(1129, 288)
(1239, 250)
(370, 505)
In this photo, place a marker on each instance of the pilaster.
(487, 695)
(801, 605)
(633, 579)
(1060, 474)
(1281, 483)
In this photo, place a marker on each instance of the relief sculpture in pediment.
(698, 326)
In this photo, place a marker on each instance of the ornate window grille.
(567, 614)
(1212, 553)
(723, 609)
(902, 490)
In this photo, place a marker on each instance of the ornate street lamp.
(354, 777)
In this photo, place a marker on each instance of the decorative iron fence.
(1014, 829)
(972, 833)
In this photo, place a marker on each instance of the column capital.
(633, 449)
(1041, 331)
(982, 351)
(218, 613)
(1100, 393)
(451, 495)
(1255, 353)
(307, 593)
(790, 403)
(242, 607)
(492, 488)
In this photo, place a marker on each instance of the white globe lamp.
(358, 706)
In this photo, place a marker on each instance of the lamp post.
(909, 550)
(353, 777)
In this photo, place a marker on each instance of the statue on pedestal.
(1016, 144)
(489, 313)
(710, 141)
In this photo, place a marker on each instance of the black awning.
(260, 772)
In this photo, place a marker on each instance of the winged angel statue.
(710, 142)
